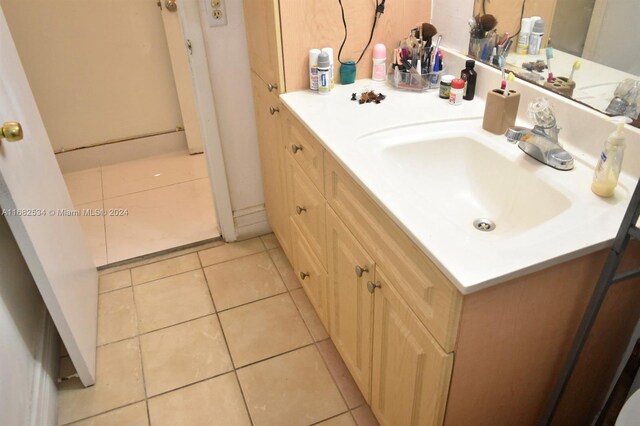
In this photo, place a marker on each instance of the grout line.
(164, 276)
(232, 259)
(275, 356)
(103, 412)
(332, 417)
(253, 301)
(154, 188)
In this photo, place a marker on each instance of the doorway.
(102, 77)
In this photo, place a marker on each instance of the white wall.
(228, 61)
(99, 70)
(450, 18)
(22, 320)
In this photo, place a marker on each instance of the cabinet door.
(272, 160)
(410, 372)
(350, 303)
(262, 21)
(307, 208)
(310, 273)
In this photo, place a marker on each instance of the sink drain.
(484, 225)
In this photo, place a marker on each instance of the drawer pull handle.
(303, 275)
(300, 210)
(273, 110)
(271, 87)
(371, 286)
(360, 270)
(295, 148)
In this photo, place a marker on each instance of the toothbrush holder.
(561, 85)
(500, 111)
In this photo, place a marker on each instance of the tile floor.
(221, 334)
(167, 198)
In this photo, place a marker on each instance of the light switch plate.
(216, 12)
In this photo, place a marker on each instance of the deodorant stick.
(313, 69)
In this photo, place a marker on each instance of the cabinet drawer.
(304, 148)
(434, 300)
(306, 207)
(311, 274)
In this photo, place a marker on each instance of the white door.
(34, 198)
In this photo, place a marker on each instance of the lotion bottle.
(605, 177)
(324, 73)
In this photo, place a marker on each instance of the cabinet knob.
(273, 110)
(303, 275)
(295, 148)
(300, 210)
(272, 87)
(360, 270)
(371, 286)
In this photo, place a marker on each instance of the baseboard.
(251, 222)
(44, 398)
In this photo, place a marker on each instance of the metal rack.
(608, 277)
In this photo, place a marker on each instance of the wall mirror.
(594, 56)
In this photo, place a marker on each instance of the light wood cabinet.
(306, 208)
(262, 20)
(272, 159)
(410, 372)
(350, 303)
(305, 149)
(310, 273)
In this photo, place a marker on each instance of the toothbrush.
(549, 56)
(510, 79)
(435, 51)
(503, 83)
(576, 67)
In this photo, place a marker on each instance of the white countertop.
(472, 260)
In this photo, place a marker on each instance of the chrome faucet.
(541, 142)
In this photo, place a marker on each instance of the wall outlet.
(216, 12)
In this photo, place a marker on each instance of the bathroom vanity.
(438, 322)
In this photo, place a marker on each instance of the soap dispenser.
(607, 171)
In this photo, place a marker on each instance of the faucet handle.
(513, 134)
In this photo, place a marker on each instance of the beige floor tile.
(364, 417)
(118, 383)
(116, 316)
(171, 300)
(216, 401)
(84, 186)
(291, 389)
(285, 269)
(183, 354)
(263, 329)
(341, 375)
(94, 230)
(152, 172)
(165, 268)
(243, 280)
(231, 251)
(341, 420)
(309, 315)
(131, 415)
(160, 219)
(115, 280)
(270, 241)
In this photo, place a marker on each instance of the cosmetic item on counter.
(324, 73)
(469, 75)
(347, 72)
(535, 40)
(605, 177)
(313, 69)
(379, 71)
(329, 52)
(576, 66)
(500, 111)
(445, 86)
(523, 37)
(457, 91)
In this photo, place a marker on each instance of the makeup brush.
(576, 67)
(428, 32)
(488, 22)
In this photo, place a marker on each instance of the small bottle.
(329, 51)
(523, 37)
(535, 39)
(445, 86)
(313, 69)
(379, 71)
(469, 75)
(324, 73)
(605, 177)
(457, 91)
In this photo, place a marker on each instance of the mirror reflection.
(583, 49)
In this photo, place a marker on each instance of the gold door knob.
(11, 131)
(171, 5)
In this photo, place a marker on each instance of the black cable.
(379, 10)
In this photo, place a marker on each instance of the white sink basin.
(466, 175)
